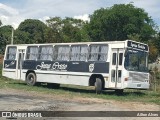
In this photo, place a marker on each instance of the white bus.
(106, 65)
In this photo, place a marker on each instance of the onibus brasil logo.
(21, 114)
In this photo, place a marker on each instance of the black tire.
(53, 85)
(31, 79)
(98, 86)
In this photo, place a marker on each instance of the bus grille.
(138, 77)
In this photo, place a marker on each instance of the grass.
(144, 96)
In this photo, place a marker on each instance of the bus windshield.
(136, 60)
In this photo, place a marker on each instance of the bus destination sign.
(137, 45)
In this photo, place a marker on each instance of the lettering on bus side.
(57, 66)
(137, 45)
(54, 66)
(8, 65)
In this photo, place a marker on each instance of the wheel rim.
(30, 79)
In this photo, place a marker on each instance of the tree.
(119, 22)
(153, 52)
(54, 30)
(73, 30)
(157, 41)
(31, 31)
(135, 37)
(0, 22)
(5, 37)
(66, 30)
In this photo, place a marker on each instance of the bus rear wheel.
(98, 86)
(31, 79)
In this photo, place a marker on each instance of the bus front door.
(116, 69)
(20, 62)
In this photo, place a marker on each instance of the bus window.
(79, 52)
(98, 52)
(120, 58)
(32, 52)
(46, 53)
(114, 58)
(113, 76)
(119, 75)
(84, 53)
(11, 53)
(136, 60)
(103, 53)
(94, 50)
(61, 52)
(75, 52)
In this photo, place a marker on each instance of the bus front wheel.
(98, 86)
(31, 79)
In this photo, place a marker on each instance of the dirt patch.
(31, 100)
(13, 100)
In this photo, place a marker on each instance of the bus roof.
(72, 43)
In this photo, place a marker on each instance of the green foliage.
(5, 37)
(155, 78)
(0, 22)
(53, 32)
(153, 52)
(30, 31)
(120, 21)
(66, 30)
(156, 41)
(135, 37)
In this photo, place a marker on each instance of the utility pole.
(12, 36)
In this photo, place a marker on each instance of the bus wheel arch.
(93, 77)
(31, 78)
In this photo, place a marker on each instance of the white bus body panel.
(9, 73)
(81, 78)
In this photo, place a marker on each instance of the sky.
(13, 12)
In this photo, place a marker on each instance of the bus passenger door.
(20, 62)
(116, 68)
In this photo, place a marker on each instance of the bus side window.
(46, 52)
(113, 74)
(61, 52)
(11, 53)
(84, 53)
(120, 58)
(98, 52)
(75, 52)
(103, 52)
(119, 75)
(114, 57)
(94, 51)
(32, 53)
